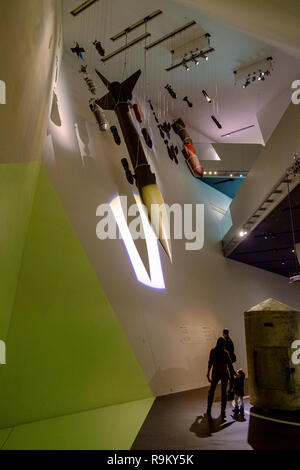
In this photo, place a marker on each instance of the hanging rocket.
(188, 150)
(117, 100)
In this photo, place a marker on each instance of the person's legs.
(236, 403)
(242, 405)
(224, 382)
(211, 394)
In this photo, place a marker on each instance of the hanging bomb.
(90, 85)
(99, 47)
(147, 137)
(115, 134)
(171, 91)
(188, 102)
(129, 175)
(188, 150)
(99, 115)
(161, 131)
(179, 129)
(137, 113)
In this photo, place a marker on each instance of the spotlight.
(215, 173)
(186, 66)
(208, 99)
(196, 62)
(247, 83)
(243, 233)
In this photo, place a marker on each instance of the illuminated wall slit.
(156, 279)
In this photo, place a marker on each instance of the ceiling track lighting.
(82, 7)
(260, 73)
(192, 58)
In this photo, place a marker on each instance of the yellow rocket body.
(158, 215)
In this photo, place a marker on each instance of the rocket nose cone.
(158, 216)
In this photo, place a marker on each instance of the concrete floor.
(178, 421)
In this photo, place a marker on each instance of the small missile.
(137, 113)
(78, 51)
(188, 150)
(99, 47)
(216, 122)
(115, 134)
(171, 91)
(147, 137)
(117, 100)
(99, 115)
(190, 105)
(129, 175)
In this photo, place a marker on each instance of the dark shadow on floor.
(203, 426)
(178, 421)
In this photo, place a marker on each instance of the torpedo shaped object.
(115, 134)
(99, 115)
(171, 91)
(188, 150)
(216, 122)
(147, 137)
(129, 175)
(117, 100)
(137, 112)
(161, 131)
(99, 48)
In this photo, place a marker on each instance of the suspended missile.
(99, 48)
(117, 100)
(171, 91)
(188, 150)
(147, 137)
(115, 134)
(137, 113)
(78, 51)
(99, 115)
(190, 105)
(129, 175)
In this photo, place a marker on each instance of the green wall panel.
(17, 185)
(112, 427)
(66, 351)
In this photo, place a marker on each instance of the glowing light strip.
(156, 279)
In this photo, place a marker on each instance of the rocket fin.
(106, 102)
(104, 80)
(128, 85)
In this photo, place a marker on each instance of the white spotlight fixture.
(186, 66)
(243, 233)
